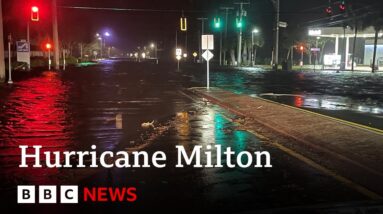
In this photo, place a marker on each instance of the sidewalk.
(351, 150)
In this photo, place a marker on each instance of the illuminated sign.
(315, 32)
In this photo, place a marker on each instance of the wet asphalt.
(351, 96)
(106, 104)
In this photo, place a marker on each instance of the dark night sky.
(134, 28)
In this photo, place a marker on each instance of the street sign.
(178, 52)
(207, 55)
(282, 24)
(207, 42)
(23, 53)
(22, 46)
(315, 49)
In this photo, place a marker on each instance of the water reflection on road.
(351, 96)
(36, 112)
(106, 105)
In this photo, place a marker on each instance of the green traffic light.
(217, 23)
(239, 24)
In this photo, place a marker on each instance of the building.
(341, 42)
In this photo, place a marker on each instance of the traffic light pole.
(226, 21)
(55, 35)
(202, 19)
(276, 46)
(2, 63)
(220, 48)
(241, 14)
(252, 49)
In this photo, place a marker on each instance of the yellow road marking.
(330, 173)
(316, 166)
(368, 128)
(313, 164)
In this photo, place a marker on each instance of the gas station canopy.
(333, 32)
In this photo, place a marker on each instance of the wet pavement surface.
(352, 96)
(106, 105)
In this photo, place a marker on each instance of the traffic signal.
(35, 13)
(48, 46)
(217, 23)
(342, 6)
(239, 23)
(183, 24)
(328, 10)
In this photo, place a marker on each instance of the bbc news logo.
(69, 194)
(47, 194)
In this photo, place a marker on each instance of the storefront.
(342, 40)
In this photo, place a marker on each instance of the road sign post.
(23, 52)
(178, 57)
(207, 44)
(48, 46)
(9, 60)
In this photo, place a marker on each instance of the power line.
(176, 11)
(132, 9)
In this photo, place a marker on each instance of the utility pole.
(220, 48)
(240, 14)
(202, 19)
(2, 63)
(276, 45)
(225, 35)
(55, 35)
(29, 44)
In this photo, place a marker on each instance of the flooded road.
(355, 97)
(106, 105)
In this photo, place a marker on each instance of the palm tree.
(376, 21)
(378, 25)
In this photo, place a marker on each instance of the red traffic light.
(48, 46)
(34, 13)
(342, 7)
(35, 9)
(328, 10)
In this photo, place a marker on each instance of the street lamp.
(217, 25)
(253, 32)
(100, 38)
(107, 34)
(154, 46)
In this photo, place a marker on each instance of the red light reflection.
(35, 114)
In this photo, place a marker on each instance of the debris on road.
(147, 125)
